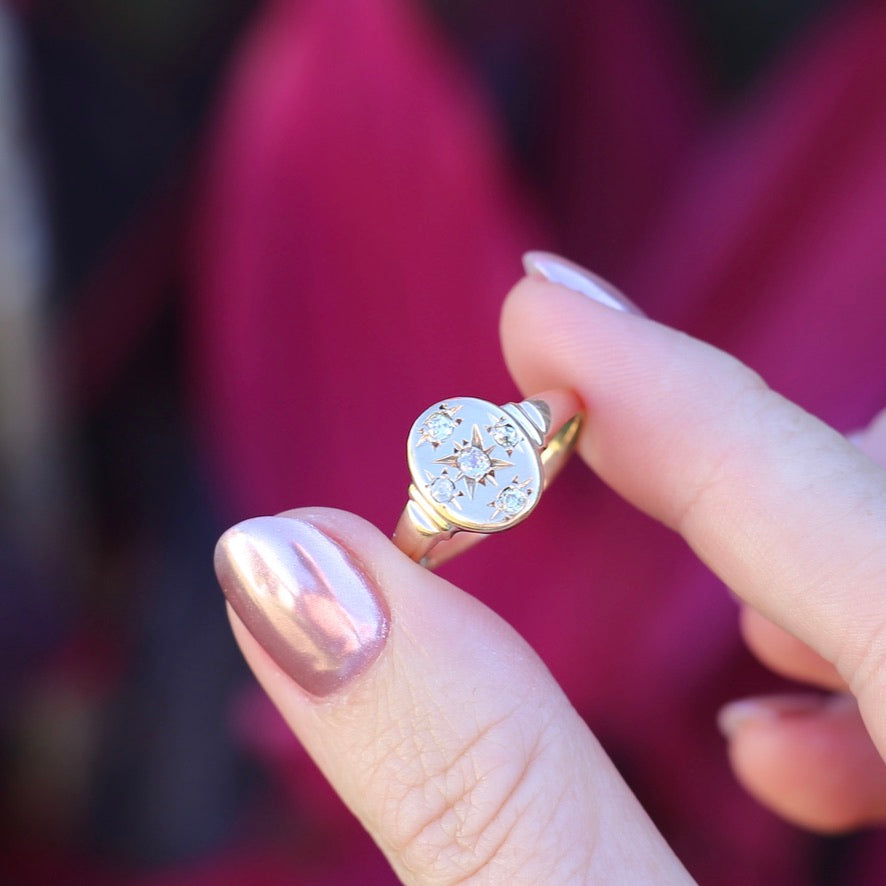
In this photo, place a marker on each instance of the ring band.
(478, 468)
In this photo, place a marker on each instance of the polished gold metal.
(478, 469)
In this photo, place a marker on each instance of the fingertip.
(808, 758)
(305, 598)
(572, 276)
(760, 489)
(454, 746)
(542, 323)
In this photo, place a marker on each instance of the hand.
(443, 731)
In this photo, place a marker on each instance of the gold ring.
(478, 468)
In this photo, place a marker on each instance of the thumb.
(434, 721)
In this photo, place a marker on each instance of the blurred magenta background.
(245, 243)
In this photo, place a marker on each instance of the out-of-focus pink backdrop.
(357, 218)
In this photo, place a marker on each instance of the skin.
(458, 751)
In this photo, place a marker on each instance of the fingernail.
(738, 714)
(566, 273)
(303, 599)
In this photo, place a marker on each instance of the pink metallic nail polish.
(303, 599)
(768, 709)
(560, 270)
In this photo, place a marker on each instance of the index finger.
(787, 512)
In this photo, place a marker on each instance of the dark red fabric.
(360, 223)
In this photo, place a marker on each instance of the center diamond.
(473, 462)
(476, 467)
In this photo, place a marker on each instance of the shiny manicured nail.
(303, 599)
(566, 273)
(768, 709)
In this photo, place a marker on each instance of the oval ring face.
(473, 464)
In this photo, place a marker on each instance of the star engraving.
(439, 425)
(511, 500)
(505, 433)
(474, 463)
(442, 489)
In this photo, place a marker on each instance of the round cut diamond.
(511, 500)
(438, 426)
(505, 434)
(473, 462)
(442, 490)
